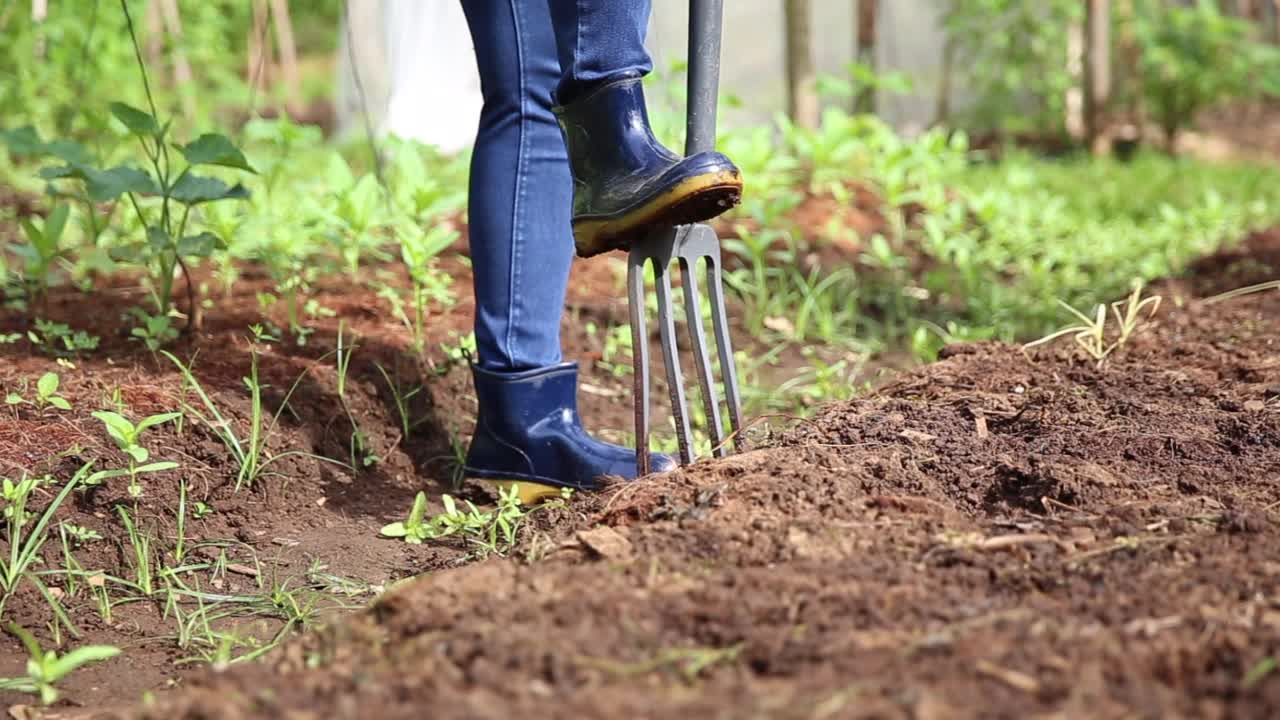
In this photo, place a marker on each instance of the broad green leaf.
(47, 385)
(138, 121)
(60, 403)
(105, 185)
(201, 245)
(55, 172)
(23, 141)
(117, 426)
(34, 234)
(214, 149)
(69, 151)
(194, 189)
(138, 453)
(395, 529)
(13, 399)
(56, 223)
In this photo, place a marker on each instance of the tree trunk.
(868, 31)
(802, 79)
(1097, 74)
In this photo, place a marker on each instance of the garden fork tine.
(687, 245)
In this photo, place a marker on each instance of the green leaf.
(23, 141)
(127, 253)
(395, 529)
(194, 189)
(214, 149)
(157, 420)
(157, 238)
(138, 122)
(55, 172)
(47, 385)
(117, 426)
(60, 403)
(34, 234)
(201, 245)
(157, 467)
(105, 185)
(69, 151)
(101, 475)
(138, 453)
(79, 657)
(13, 399)
(56, 223)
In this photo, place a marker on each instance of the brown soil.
(995, 535)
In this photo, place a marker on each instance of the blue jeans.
(521, 193)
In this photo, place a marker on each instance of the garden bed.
(999, 534)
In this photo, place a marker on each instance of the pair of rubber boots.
(626, 184)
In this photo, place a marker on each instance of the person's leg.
(521, 191)
(599, 40)
(528, 431)
(626, 184)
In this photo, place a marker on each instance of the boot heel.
(530, 493)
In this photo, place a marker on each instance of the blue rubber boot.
(625, 183)
(528, 433)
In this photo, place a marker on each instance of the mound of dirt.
(995, 535)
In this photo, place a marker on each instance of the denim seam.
(517, 235)
(577, 43)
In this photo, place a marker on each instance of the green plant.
(1195, 56)
(250, 451)
(143, 560)
(45, 668)
(419, 249)
(1091, 334)
(46, 395)
(1013, 57)
(58, 340)
(24, 539)
(162, 197)
(42, 250)
(127, 437)
(491, 532)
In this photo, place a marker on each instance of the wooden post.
(1097, 74)
(802, 78)
(259, 47)
(39, 11)
(288, 54)
(868, 32)
(946, 76)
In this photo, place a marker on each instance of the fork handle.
(705, 25)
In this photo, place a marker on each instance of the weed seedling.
(25, 540)
(46, 395)
(45, 668)
(126, 436)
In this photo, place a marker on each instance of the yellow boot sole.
(530, 493)
(694, 199)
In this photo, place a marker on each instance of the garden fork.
(687, 245)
